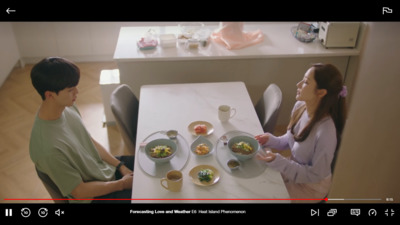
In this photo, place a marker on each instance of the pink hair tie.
(343, 92)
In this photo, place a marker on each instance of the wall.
(9, 53)
(368, 161)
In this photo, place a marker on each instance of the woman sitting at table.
(313, 134)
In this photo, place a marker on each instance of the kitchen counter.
(278, 42)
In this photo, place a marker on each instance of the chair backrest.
(268, 107)
(51, 187)
(125, 108)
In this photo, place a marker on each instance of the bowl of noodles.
(161, 150)
(243, 147)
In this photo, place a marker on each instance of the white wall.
(9, 54)
(79, 41)
(368, 163)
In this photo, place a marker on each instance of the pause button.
(8, 212)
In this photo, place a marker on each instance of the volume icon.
(8, 212)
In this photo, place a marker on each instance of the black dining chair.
(268, 107)
(125, 108)
(51, 187)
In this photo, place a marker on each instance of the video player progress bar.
(354, 199)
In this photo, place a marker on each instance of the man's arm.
(110, 159)
(98, 188)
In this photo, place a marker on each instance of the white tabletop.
(278, 42)
(175, 106)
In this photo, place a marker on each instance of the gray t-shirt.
(63, 149)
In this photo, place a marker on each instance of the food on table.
(205, 175)
(233, 164)
(172, 134)
(202, 149)
(160, 151)
(200, 129)
(242, 147)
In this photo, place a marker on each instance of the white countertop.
(278, 42)
(175, 106)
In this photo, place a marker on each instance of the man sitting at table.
(62, 148)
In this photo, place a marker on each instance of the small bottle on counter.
(192, 44)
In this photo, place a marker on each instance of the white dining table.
(174, 107)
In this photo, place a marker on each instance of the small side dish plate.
(201, 140)
(195, 178)
(210, 127)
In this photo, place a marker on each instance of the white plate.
(209, 126)
(201, 140)
(249, 168)
(195, 179)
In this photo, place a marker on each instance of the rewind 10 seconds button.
(25, 212)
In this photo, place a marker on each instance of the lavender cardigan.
(311, 159)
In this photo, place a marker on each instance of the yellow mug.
(173, 180)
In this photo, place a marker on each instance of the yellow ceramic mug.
(173, 180)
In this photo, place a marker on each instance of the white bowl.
(157, 142)
(252, 142)
(201, 140)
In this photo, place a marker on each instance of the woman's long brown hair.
(329, 78)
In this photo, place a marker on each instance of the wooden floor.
(19, 103)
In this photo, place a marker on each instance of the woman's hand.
(266, 156)
(262, 138)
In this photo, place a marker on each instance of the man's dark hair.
(54, 74)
